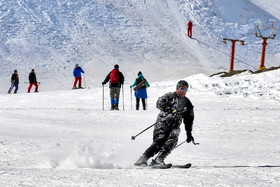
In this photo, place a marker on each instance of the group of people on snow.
(116, 79)
(174, 108)
(15, 82)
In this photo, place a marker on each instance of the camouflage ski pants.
(164, 140)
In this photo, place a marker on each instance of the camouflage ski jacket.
(170, 102)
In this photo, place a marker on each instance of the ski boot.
(142, 161)
(159, 160)
(112, 107)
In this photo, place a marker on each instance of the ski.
(189, 36)
(186, 166)
(77, 88)
(166, 166)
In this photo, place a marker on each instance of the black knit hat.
(182, 83)
(116, 66)
(139, 73)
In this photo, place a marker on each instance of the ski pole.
(131, 98)
(103, 97)
(85, 80)
(180, 144)
(147, 99)
(133, 137)
(123, 96)
(185, 142)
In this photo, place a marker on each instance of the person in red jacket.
(190, 24)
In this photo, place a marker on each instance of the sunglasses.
(183, 89)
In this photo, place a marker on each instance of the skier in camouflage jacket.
(174, 107)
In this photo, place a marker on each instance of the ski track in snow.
(64, 138)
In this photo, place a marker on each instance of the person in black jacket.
(116, 81)
(32, 81)
(174, 108)
(14, 82)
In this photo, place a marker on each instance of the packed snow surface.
(64, 138)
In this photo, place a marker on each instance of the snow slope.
(64, 138)
(52, 36)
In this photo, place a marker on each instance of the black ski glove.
(103, 83)
(189, 137)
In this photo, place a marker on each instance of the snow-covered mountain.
(52, 36)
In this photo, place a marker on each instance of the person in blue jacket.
(14, 82)
(77, 72)
(140, 93)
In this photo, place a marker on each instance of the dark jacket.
(119, 84)
(32, 78)
(171, 101)
(15, 78)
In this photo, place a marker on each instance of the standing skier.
(32, 81)
(77, 72)
(116, 81)
(141, 92)
(14, 82)
(190, 25)
(174, 107)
